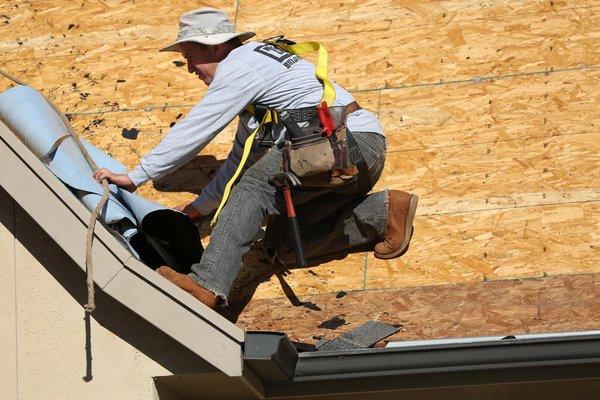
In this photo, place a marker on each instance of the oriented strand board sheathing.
(505, 174)
(338, 275)
(426, 54)
(312, 18)
(423, 54)
(50, 21)
(507, 169)
(466, 247)
(106, 81)
(556, 304)
(491, 111)
(491, 245)
(105, 130)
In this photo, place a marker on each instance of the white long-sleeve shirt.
(254, 73)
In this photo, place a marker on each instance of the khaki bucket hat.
(206, 26)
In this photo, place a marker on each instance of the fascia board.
(55, 209)
(185, 299)
(179, 322)
(65, 219)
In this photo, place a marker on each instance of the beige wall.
(8, 335)
(43, 328)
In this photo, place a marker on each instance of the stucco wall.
(48, 349)
(8, 335)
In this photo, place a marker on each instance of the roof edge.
(422, 364)
(155, 299)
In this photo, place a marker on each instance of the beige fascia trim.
(120, 275)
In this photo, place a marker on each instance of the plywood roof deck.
(490, 109)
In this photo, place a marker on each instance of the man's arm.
(211, 195)
(234, 87)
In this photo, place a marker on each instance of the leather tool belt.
(318, 161)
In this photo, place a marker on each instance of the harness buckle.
(279, 39)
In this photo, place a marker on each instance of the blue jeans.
(332, 219)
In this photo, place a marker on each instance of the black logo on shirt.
(283, 57)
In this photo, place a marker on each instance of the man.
(332, 219)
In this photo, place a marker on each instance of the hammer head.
(285, 178)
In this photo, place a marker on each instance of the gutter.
(422, 364)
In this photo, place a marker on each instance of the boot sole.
(410, 217)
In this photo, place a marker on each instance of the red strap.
(325, 118)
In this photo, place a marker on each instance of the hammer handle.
(294, 228)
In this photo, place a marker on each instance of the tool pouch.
(311, 155)
(318, 160)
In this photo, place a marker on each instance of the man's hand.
(189, 210)
(121, 180)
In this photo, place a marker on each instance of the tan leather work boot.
(189, 285)
(401, 213)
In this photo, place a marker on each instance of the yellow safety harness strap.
(271, 116)
(247, 147)
(321, 72)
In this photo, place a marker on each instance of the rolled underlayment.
(155, 234)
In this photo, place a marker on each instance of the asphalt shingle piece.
(362, 337)
(332, 323)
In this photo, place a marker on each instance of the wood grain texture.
(50, 22)
(319, 18)
(555, 304)
(504, 174)
(428, 53)
(490, 109)
(491, 245)
(333, 276)
(105, 81)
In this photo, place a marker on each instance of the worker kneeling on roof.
(303, 160)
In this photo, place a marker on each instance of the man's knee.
(254, 177)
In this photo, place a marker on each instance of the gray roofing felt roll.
(155, 234)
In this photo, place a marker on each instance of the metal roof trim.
(507, 353)
(424, 365)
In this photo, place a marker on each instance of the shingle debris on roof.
(362, 337)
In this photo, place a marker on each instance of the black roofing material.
(362, 337)
(332, 323)
(131, 134)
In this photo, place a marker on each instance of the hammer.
(283, 180)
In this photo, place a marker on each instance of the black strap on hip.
(364, 179)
